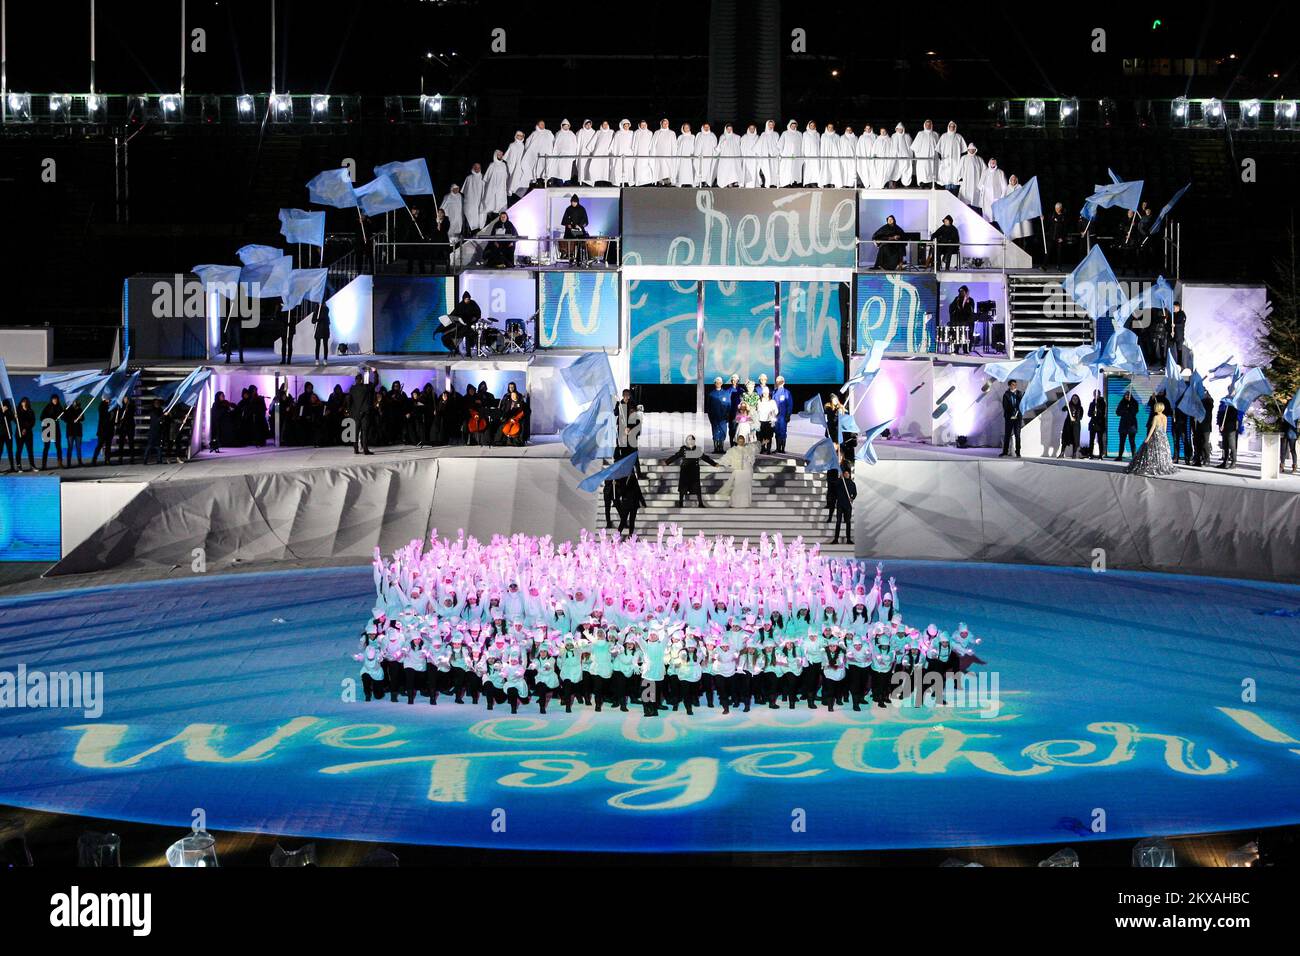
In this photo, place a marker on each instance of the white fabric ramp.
(1024, 512)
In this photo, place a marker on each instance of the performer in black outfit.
(73, 421)
(961, 315)
(361, 401)
(628, 499)
(1098, 422)
(947, 243)
(1228, 419)
(8, 430)
(463, 318)
(499, 251)
(26, 419)
(688, 475)
(846, 491)
(890, 236)
(1012, 419)
(574, 224)
(104, 433)
(1127, 409)
(1201, 432)
(321, 335)
(52, 418)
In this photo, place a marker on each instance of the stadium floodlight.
(1284, 114)
(349, 108)
(281, 108)
(1035, 112)
(1249, 114)
(18, 108)
(246, 108)
(171, 108)
(1179, 113)
(431, 108)
(1154, 852)
(1000, 112)
(1069, 117)
(210, 109)
(96, 108)
(320, 108)
(1212, 112)
(60, 107)
(393, 109)
(137, 108)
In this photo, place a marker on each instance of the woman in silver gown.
(1153, 459)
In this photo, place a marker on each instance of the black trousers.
(25, 441)
(7, 444)
(1229, 449)
(372, 688)
(618, 689)
(1011, 430)
(811, 678)
(58, 447)
(321, 350)
(74, 444)
(847, 517)
(1131, 438)
(627, 519)
(1097, 439)
(858, 680)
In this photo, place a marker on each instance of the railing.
(930, 255)
(850, 171)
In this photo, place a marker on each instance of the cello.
(512, 428)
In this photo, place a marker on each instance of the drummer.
(574, 223)
(463, 318)
(499, 251)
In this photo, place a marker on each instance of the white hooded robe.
(971, 172)
(471, 194)
(902, 149)
(517, 178)
(664, 146)
(925, 147)
(643, 169)
(684, 174)
(952, 150)
(706, 158)
(790, 169)
(848, 164)
(624, 151)
(539, 145)
(866, 146)
(564, 155)
(769, 151)
(586, 139)
(993, 186)
(495, 194)
(882, 160)
(730, 171)
(812, 150)
(601, 167)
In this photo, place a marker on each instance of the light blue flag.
(267, 280)
(303, 225)
(1173, 372)
(6, 387)
(72, 384)
(1074, 361)
(1251, 386)
(252, 255)
(1115, 180)
(589, 378)
(1122, 353)
(867, 372)
(848, 425)
(814, 411)
(410, 177)
(379, 196)
(1289, 414)
(224, 280)
(1093, 285)
(1159, 296)
(185, 391)
(1190, 403)
(120, 386)
(1164, 210)
(1017, 206)
(332, 188)
(1225, 370)
(305, 284)
(821, 458)
(619, 469)
(1021, 371)
(1123, 195)
(1050, 376)
(865, 450)
(590, 435)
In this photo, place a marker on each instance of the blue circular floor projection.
(1111, 705)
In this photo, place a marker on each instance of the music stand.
(986, 313)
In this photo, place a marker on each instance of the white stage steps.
(785, 499)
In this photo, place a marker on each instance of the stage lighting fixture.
(197, 849)
(1145, 113)
(349, 108)
(1212, 112)
(1248, 117)
(95, 108)
(320, 108)
(281, 108)
(431, 108)
(19, 108)
(1284, 114)
(1000, 112)
(60, 107)
(1035, 111)
(393, 109)
(171, 108)
(1179, 113)
(1247, 855)
(1061, 858)
(1106, 110)
(1070, 112)
(246, 108)
(1153, 852)
(210, 109)
(99, 849)
(137, 109)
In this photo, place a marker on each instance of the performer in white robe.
(601, 167)
(471, 195)
(684, 174)
(925, 147)
(790, 169)
(751, 157)
(643, 170)
(586, 139)
(1024, 228)
(624, 151)
(902, 149)
(495, 194)
(952, 152)
(848, 152)
(564, 155)
(970, 173)
(829, 150)
(812, 150)
(882, 159)
(866, 147)
(737, 490)
(539, 145)
(730, 161)
(517, 177)
(769, 151)
(706, 156)
(453, 208)
(993, 186)
(664, 147)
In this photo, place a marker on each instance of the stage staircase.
(785, 499)
(1042, 314)
(150, 380)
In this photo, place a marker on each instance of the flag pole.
(1042, 227)
(412, 215)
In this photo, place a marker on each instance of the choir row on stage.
(656, 623)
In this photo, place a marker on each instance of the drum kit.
(952, 337)
(484, 340)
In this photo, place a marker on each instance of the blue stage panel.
(578, 310)
(662, 316)
(739, 330)
(236, 694)
(26, 386)
(406, 310)
(901, 307)
(31, 518)
(1144, 386)
(812, 318)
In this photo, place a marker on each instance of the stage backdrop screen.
(30, 519)
(739, 227)
(27, 386)
(811, 320)
(663, 342)
(1144, 386)
(406, 310)
(739, 330)
(577, 310)
(898, 306)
